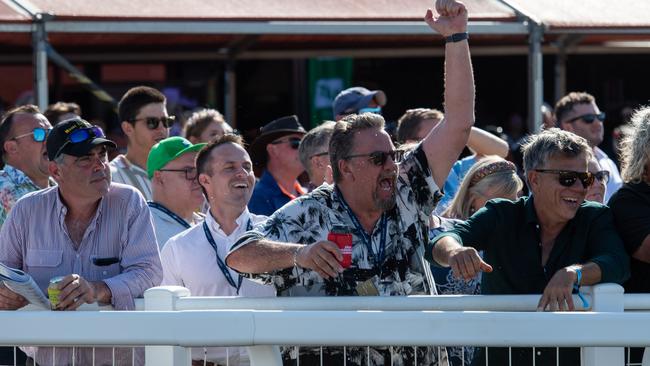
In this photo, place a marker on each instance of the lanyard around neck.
(222, 266)
(169, 213)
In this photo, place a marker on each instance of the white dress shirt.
(615, 180)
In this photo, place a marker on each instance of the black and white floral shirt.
(403, 270)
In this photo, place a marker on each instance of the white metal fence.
(172, 322)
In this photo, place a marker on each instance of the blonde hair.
(489, 173)
(635, 147)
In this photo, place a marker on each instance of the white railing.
(173, 321)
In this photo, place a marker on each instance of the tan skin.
(141, 138)
(555, 205)
(284, 163)
(172, 189)
(25, 154)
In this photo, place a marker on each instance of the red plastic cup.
(343, 240)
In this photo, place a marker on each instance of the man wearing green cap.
(176, 192)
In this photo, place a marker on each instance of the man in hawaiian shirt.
(22, 140)
(384, 201)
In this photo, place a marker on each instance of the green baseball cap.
(168, 150)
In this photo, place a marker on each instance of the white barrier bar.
(606, 298)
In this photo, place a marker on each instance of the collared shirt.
(189, 260)
(403, 270)
(167, 226)
(268, 196)
(615, 181)
(631, 208)
(13, 185)
(125, 172)
(35, 239)
(509, 234)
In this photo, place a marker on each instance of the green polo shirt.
(508, 233)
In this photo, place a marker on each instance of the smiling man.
(145, 123)
(547, 243)
(195, 258)
(96, 234)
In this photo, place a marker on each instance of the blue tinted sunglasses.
(81, 135)
(375, 110)
(39, 134)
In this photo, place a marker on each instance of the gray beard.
(384, 204)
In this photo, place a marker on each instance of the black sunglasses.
(589, 117)
(602, 176)
(567, 178)
(379, 158)
(293, 142)
(154, 122)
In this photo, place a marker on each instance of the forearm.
(459, 85)
(262, 256)
(484, 143)
(443, 248)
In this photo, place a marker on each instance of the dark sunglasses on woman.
(567, 178)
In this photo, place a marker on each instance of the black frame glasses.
(589, 117)
(190, 173)
(294, 142)
(39, 134)
(567, 178)
(154, 122)
(379, 158)
(602, 176)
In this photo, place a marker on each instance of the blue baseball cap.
(352, 99)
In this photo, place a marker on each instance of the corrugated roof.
(253, 10)
(587, 14)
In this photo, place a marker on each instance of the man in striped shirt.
(145, 122)
(96, 234)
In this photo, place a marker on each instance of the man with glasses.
(357, 100)
(548, 243)
(176, 191)
(145, 122)
(275, 151)
(314, 154)
(577, 112)
(95, 234)
(22, 140)
(381, 200)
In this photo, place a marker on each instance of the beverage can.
(53, 290)
(343, 239)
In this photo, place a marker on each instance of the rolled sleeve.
(140, 262)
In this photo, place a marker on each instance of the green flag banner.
(327, 77)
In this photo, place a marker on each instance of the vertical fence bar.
(606, 298)
(164, 298)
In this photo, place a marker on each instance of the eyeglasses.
(379, 158)
(567, 178)
(154, 122)
(190, 173)
(589, 117)
(602, 176)
(39, 134)
(80, 135)
(293, 142)
(320, 154)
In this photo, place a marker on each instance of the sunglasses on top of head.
(379, 158)
(39, 134)
(154, 122)
(589, 117)
(567, 178)
(294, 142)
(81, 135)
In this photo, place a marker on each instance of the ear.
(533, 180)
(157, 177)
(270, 150)
(10, 147)
(567, 126)
(345, 169)
(204, 181)
(127, 128)
(54, 170)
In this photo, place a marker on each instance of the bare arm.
(483, 143)
(446, 141)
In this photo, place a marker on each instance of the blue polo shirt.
(267, 196)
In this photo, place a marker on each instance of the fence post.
(606, 297)
(264, 356)
(164, 298)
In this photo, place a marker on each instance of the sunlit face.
(283, 152)
(596, 191)
(376, 184)
(87, 177)
(173, 180)
(140, 135)
(593, 132)
(32, 154)
(553, 199)
(232, 180)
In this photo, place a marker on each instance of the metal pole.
(39, 46)
(535, 78)
(230, 92)
(560, 72)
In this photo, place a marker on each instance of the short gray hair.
(342, 141)
(542, 147)
(314, 142)
(635, 147)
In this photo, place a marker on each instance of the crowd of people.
(206, 212)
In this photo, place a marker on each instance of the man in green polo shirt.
(545, 243)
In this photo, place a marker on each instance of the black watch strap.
(457, 37)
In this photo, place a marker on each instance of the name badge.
(367, 287)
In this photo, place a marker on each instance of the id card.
(367, 287)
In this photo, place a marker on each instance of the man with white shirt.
(195, 258)
(176, 192)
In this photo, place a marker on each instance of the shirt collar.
(17, 175)
(62, 209)
(529, 207)
(241, 221)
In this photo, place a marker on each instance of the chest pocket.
(43, 264)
